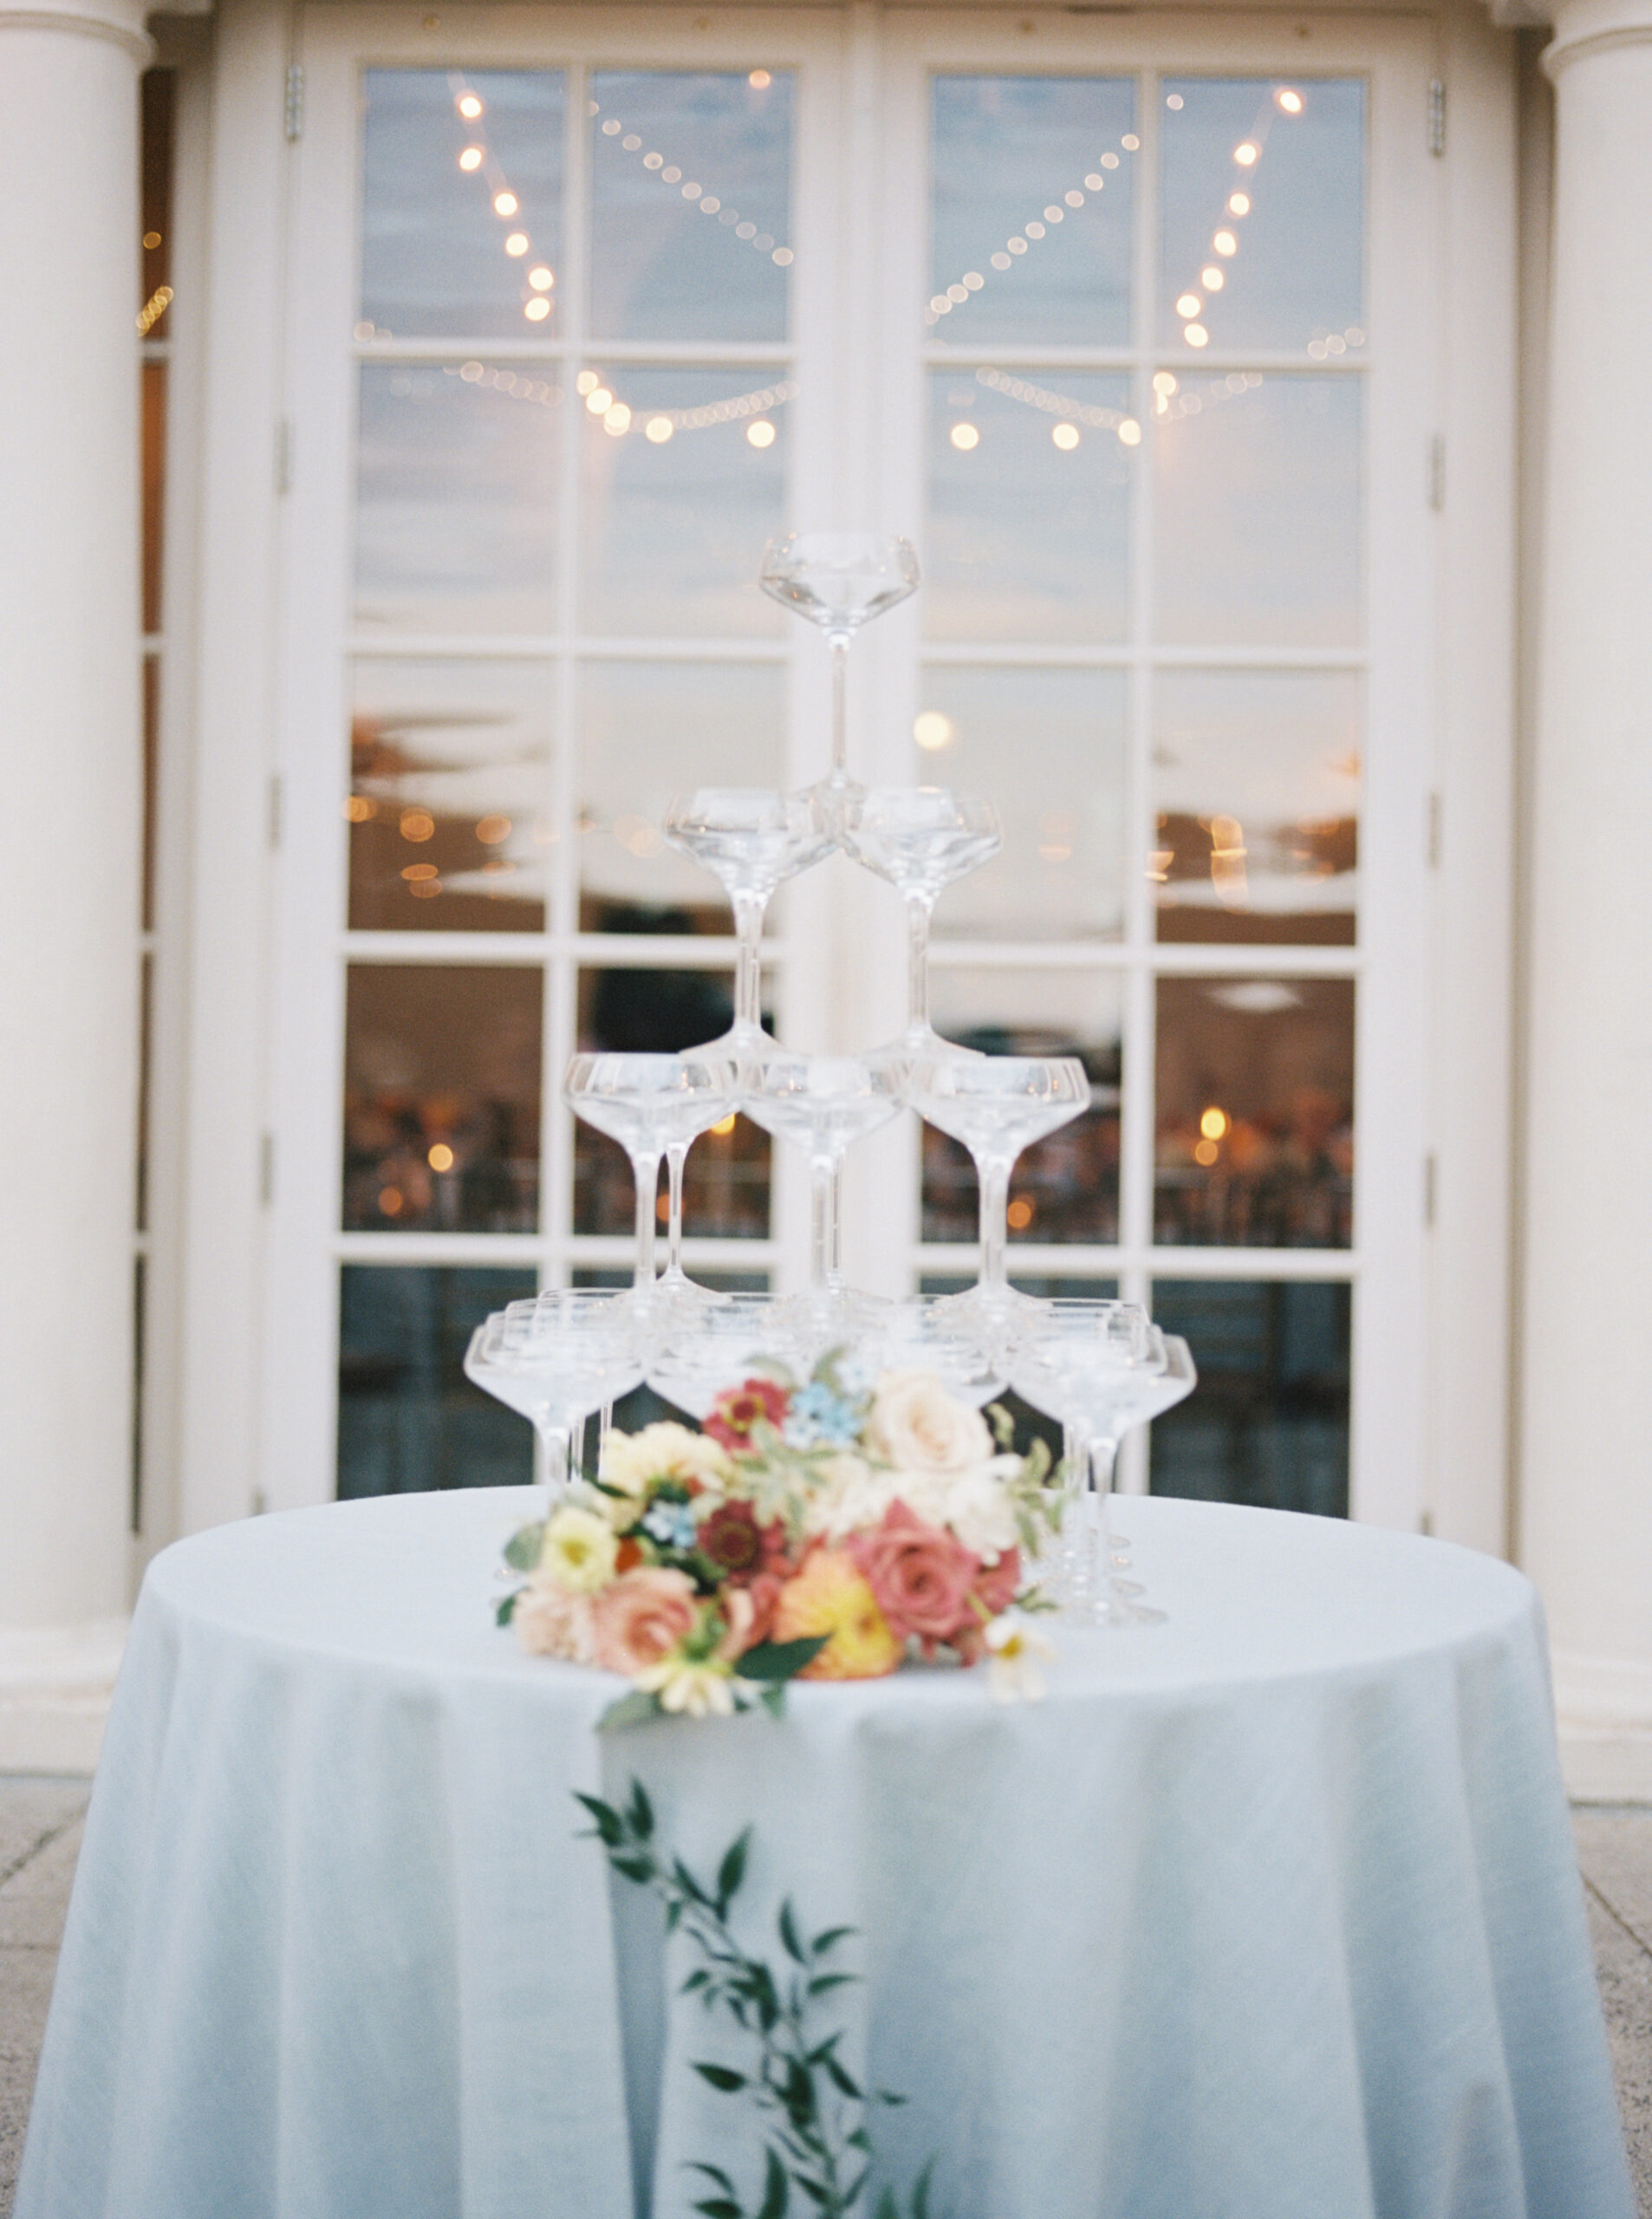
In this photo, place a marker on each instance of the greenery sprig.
(814, 2111)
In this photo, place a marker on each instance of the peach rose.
(640, 1617)
(550, 1621)
(920, 1576)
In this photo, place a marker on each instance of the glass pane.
(690, 205)
(159, 95)
(145, 1066)
(1065, 1187)
(441, 1098)
(648, 731)
(408, 1419)
(1268, 1421)
(449, 805)
(461, 213)
(1031, 219)
(456, 496)
(1028, 506)
(1256, 785)
(151, 783)
(155, 490)
(726, 1181)
(684, 479)
(1263, 220)
(1255, 1113)
(1257, 533)
(139, 1343)
(1049, 748)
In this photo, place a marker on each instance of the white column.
(70, 746)
(1586, 1483)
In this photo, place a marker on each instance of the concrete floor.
(39, 1836)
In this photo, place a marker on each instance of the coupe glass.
(916, 1336)
(824, 1104)
(751, 839)
(996, 1106)
(920, 838)
(555, 1360)
(839, 580)
(651, 1104)
(691, 1362)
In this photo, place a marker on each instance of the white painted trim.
(1603, 1692)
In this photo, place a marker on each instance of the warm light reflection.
(1239, 203)
(1018, 1216)
(587, 382)
(541, 279)
(760, 78)
(932, 731)
(616, 422)
(1206, 1153)
(1189, 305)
(1212, 279)
(470, 158)
(440, 1157)
(1224, 242)
(599, 400)
(505, 203)
(537, 309)
(391, 1201)
(1289, 101)
(760, 433)
(1129, 433)
(657, 429)
(1066, 436)
(1213, 1123)
(361, 808)
(490, 830)
(469, 106)
(418, 824)
(1246, 153)
(1196, 336)
(517, 242)
(964, 437)
(1164, 382)
(416, 874)
(724, 1126)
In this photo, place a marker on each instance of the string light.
(1058, 404)
(469, 106)
(710, 203)
(955, 295)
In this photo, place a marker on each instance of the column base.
(55, 1682)
(1604, 1708)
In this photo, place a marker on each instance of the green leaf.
(780, 1660)
(507, 1608)
(888, 2096)
(732, 1872)
(851, 2195)
(693, 1982)
(812, 2188)
(823, 1983)
(522, 1550)
(773, 1698)
(640, 1868)
(720, 2207)
(921, 2193)
(609, 1823)
(829, 1940)
(888, 2208)
(640, 1813)
(1002, 1423)
(712, 2173)
(688, 1883)
(841, 2081)
(788, 1926)
(720, 2077)
(775, 2190)
(633, 1709)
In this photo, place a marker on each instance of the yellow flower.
(829, 1596)
(702, 1690)
(579, 1550)
(661, 1452)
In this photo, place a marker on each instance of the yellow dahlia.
(829, 1596)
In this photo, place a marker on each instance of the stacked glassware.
(1098, 1367)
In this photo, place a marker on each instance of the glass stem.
(919, 909)
(675, 1155)
(556, 1440)
(994, 1177)
(645, 1169)
(825, 1258)
(748, 971)
(840, 708)
(1102, 1454)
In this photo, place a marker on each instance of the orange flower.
(829, 1596)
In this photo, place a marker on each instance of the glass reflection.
(647, 730)
(684, 479)
(151, 784)
(1257, 530)
(158, 95)
(725, 1181)
(441, 1098)
(1066, 1187)
(462, 187)
(1254, 1144)
(456, 496)
(691, 219)
(408, 1419)
(1049, 746)
(1031, 216)
(155, 490)
(449, 808)
(1262, 221)
(1269, 1424)
(1256, 785)
(1028, 506)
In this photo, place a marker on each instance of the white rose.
(666, 1451)
(850, 1495)
(917, 1425)
(979, 1509)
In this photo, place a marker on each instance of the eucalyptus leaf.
(776, 2189)
(721, 2077)
(507, 1608)
(522, 1550)
(633, 1709)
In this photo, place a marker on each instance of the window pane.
(649, 731)
(155, 490)
(449, 802)
(1255, 1113)
(441, 1100)
(1256, 784)
(408, 1419)
(1064, 1187)
(1049, 748)
(1031, 219)
(1263, 192)
(1268, 1421)
(1256, 532)
(690, 220)
(456, 496)
(1029, 507)
(447, 245)
(151, 784)
(158, 91)
(675, 525)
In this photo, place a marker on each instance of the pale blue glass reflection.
(1031, 214)
(1264, 185)
(434, 258)
(690, 205)
(648, 730)
(1257, 524)
(457, 492)
(1049, 746)
(1028, 506)
(683, 480)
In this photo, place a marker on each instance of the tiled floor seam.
(21, 1864)
(1617, 1917)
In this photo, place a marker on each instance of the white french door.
(1127, 321)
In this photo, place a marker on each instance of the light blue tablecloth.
(1270, 1913)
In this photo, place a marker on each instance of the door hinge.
(283, 457)
(1437, 473)
(1430, 1182)
(1436, 117)
(1435, 813)
(295, 101)
(266, 1169)
(272, 808)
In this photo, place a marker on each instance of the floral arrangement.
(826, 1530)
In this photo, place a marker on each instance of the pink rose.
(551, 1622)
(749, 1613)
(640, 1617)
(999, 1582)
(920, 1576)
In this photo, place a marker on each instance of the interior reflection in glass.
(1065, 1187)
(449, 806)
(691, 217)
(441, 1097)
(1254, 1139)
(1032, 218)
(1049, 747)
(1269, 1424)
(1256, 788)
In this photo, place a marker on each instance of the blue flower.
(670, 1525)
(819, 1418)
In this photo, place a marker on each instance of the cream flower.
(850, 1493)
(579, 1550)
(704, 1690)
(976, 1504)
(666, 1451)
(1015, 1649)
(549, 1621)
(918, 1426)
